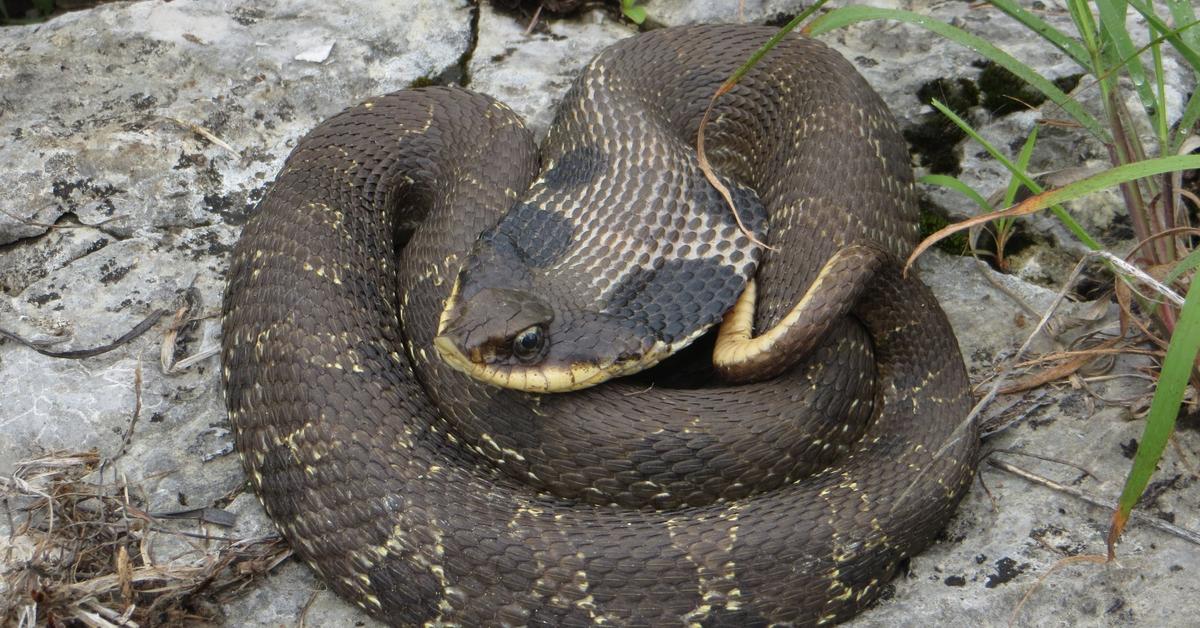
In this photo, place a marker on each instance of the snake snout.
(512, 339)
(494, 326)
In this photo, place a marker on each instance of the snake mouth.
(528, 379)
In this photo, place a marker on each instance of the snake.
(786, 491)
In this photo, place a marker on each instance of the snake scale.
(427, 497)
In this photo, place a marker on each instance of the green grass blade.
(1183, 12)
(1176, 369)
(772, 42)
(1186, 46)
(1188, 263)
(1085, 23)
(1059, 39)
(960, 187)
(845, 16)
(635, 13)
(1186, 41)
(1061, 213)
(1160, 109)
(1122, 51)
(1112, 177)
(1014, 184)
(1191, 113)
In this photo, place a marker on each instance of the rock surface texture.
(137, 136)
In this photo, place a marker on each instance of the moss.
(929, 221)
(779, 20)
(1068, 82)
(18, 12)
(934, 138)
(958, 94)
(1005, 92)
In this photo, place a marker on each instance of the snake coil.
(429, 498)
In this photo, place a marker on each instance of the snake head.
(513, 339)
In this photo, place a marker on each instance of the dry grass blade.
(702, 159)
(1023, 209)
(1075, 360)
(1072, 362)
(1003, 377)
(206, 134)
(167, 349)
(78, 554)
(725, 88)
(1154, 522)
(1095, 559)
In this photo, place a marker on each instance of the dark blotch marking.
(677, 298)
(539, 237)
(577, 167)
(495, 262)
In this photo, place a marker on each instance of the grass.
(1147, 176)
(1103, 46)
(632, 10)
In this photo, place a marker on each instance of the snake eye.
(528, 344)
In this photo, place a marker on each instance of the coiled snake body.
(427, 497)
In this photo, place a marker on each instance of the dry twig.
(78, 553)
(1191, 536)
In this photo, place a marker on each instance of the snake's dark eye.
(528, 344)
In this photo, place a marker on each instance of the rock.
(137, 137)
(530, 73)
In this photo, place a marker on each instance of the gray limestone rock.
(137, 137)
(530, 73)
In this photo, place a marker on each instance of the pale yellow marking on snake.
(735, 341)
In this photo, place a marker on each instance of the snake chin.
(523, 378)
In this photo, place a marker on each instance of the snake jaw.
(476, 337)
(532, 380)
(456, 359)
(561, 376)
(478, 327)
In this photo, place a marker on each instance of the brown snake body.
(429, 498)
